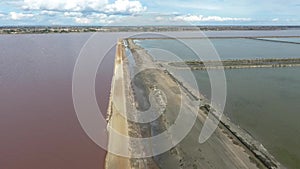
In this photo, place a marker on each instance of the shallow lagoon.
(227, 48)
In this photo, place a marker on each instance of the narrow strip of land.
(237, 64)
(117, 121)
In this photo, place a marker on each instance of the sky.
(149, 12)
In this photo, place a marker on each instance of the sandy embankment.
(120, 106)
(116, 118)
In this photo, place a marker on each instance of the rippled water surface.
(38, 124)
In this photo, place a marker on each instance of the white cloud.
(106, 19)
(83, 20)
(275, 19)
(201, 18)
(125, 6)
(64, 5)
(73, 14)
(101, 6)
(96, 18)
(50, 13)
(159, 18)
(198, 5)
(18, 16)
(84, 11)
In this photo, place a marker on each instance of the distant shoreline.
(78, 29)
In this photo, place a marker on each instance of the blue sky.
(153, 12)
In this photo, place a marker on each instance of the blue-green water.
(228, 48)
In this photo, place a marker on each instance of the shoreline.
(235, 64)
(164, 28)
(226, 37)
(115, 116)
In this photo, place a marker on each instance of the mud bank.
(237, 64)
(219, 37)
